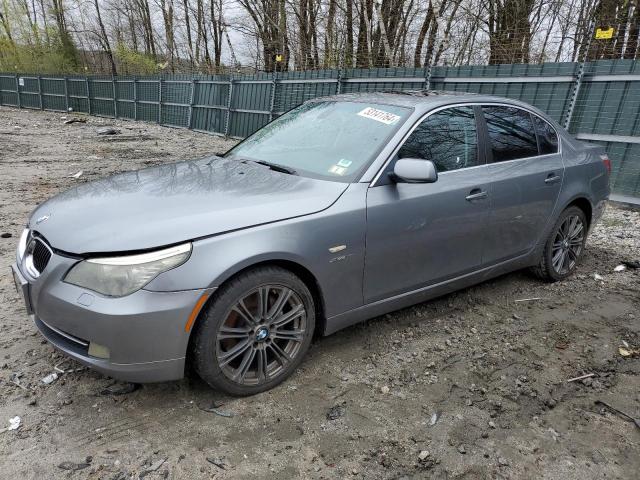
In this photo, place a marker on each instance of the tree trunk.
(328, 37)
(187, 24)
(424, 29)
(348, 51)
(106, 46)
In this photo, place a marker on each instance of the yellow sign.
(278, 58)
(602, 34)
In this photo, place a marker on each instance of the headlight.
(22, 243)
(119, 276)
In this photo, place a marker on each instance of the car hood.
(172, 203)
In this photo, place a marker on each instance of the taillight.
(607, 162)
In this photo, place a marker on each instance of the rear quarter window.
(547, 137)
(511, 133)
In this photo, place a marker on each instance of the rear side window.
(448, 138)
(511, 133)
(547, 138)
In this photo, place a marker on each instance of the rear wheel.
(564, 246)
(256, 331)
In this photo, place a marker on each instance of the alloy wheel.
(567, 244)
(261, 334)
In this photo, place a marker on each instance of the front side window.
(448, 138)
(547, 137)
(326, 140)
(511, 133)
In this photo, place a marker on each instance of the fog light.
(99, 351)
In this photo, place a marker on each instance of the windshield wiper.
(276, 167)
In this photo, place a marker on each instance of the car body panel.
(304, 241)
(176, 202)
(424, 233)
(364, 248)
(521, 205)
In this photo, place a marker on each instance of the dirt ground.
(473, 385)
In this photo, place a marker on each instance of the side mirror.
(414, 170)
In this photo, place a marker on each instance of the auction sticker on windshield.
(379, 115)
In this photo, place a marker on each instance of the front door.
(421, 234)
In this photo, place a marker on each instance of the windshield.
(327, 140)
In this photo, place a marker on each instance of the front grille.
(41, 254)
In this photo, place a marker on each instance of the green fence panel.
(602, 103)
(209, 105)
(8, 90)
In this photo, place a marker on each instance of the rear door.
(423, 233)
(526, 171)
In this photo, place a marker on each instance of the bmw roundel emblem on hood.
(43, 218)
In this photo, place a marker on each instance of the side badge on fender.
(43, 218)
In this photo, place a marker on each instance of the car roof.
(421, 99)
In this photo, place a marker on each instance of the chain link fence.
(596, 101)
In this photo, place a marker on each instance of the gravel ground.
(472, 385)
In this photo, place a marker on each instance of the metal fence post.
(272, 100)
(135, 98)
(160, 100)
(427, 78)
(191, 98)
(576, 87)
(40, 93)
(115, 100)
(66, 94)
(228, 116)
(86, 81)
(18, 91)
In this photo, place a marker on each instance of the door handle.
(552, 178)
(476, 194)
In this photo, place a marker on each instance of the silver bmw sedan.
(343, 209)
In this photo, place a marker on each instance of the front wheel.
(564, 247)
(255, 333)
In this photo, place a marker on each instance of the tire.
(570, 248)
(242, 347)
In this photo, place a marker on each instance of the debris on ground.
(14, 424)
(74, 467)
(214, 408)
(153, 467)
(49, 379)
(619, 412)
(14, 378)
(597, 277)
(118, 388)
(218, 462)
(627, 351)
(434, 418)
(632, 264)
(77, 174)
(620, 268)
(581, 377)
(75, 120)
(336, 412)
(108, 131)
(6, 235)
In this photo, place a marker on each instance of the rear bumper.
(140, 337)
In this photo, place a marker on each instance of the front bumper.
(144, 332)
